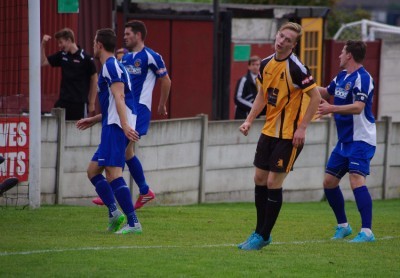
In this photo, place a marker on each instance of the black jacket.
(245, 94)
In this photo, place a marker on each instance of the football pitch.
(195, 241)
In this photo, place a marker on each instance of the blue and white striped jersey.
(144, 67)
(112, 72)
(346, 89)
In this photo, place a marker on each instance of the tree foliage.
(328, 3)
(335, 18)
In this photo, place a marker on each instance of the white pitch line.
(3, 254)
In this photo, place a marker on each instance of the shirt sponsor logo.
(341, 93)
(272, 96)
(76, 61)
(132, 70)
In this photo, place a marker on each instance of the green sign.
(68, 6)
(241, 52)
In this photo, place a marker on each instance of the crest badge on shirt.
(137, 63)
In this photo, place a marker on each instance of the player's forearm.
(312, 108)
(92, 93)
(43, 57)
(257, 107)
(121, 110)
(323, 92)
(349, 109)
(97, 118)
(165, 89)
(117, 90)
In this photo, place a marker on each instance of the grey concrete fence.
(193, 160)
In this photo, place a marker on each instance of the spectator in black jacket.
(246, 89)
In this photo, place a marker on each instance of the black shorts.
(275, 155)
(73, 110)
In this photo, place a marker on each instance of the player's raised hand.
(45, 39)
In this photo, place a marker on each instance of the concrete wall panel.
(172, 159)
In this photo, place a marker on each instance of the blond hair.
(294, 27)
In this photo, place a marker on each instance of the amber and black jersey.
(283, 84)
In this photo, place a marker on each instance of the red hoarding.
(14, 148)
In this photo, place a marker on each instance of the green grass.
(195, 241)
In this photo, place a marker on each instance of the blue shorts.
(111, 151)
(352, 157)
(143, 119)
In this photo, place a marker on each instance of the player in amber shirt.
(282, 83)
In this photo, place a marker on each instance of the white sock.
(367, 231)
(344, 225)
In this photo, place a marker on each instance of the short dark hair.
(65, 33)
(253, 59)
(357, 49)
(137, 26)
(108, 38)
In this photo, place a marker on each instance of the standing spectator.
(118, 122)
(353, 91)
(78, 75)
(246, 89)
(144, 66)
(281, 85)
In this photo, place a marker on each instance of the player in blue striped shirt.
(353, 91)
(118, 119)
(145, 67)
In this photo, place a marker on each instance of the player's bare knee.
(329, 183)
(272, 184)
(356, 180)
(260, 180)
(130, 151)
(90, 172)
